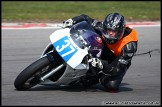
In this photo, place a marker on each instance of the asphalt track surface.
(141, 84)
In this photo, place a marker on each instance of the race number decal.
(65, 49)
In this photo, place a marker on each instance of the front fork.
(52, 72)
(53, 57)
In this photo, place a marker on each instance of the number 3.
(72, 49)
(63, 46)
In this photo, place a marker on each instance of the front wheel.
(30, 76)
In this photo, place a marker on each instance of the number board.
(64, 47)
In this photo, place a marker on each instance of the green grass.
(59, 11)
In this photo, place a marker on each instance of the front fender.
(48, 48)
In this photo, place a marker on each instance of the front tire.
(30, 76)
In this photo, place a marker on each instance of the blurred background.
(57, 11)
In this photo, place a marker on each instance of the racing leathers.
(116, 58)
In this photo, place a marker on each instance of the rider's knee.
(111, 83)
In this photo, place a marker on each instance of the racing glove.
(100, 65)
(95, 62)
(68, 23)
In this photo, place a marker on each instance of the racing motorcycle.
(66, 61)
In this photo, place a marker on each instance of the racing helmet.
(113, 27)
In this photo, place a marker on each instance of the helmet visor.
(111, 34)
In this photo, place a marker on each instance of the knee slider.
(111, 83)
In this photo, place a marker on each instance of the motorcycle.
(66, 61)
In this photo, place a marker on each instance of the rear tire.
(30, 76)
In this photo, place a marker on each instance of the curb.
(56, 25)
(29, 25)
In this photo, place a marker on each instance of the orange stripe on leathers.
(117, 47)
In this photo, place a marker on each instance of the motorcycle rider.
(120, 45)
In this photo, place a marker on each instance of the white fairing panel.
(67, 49)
